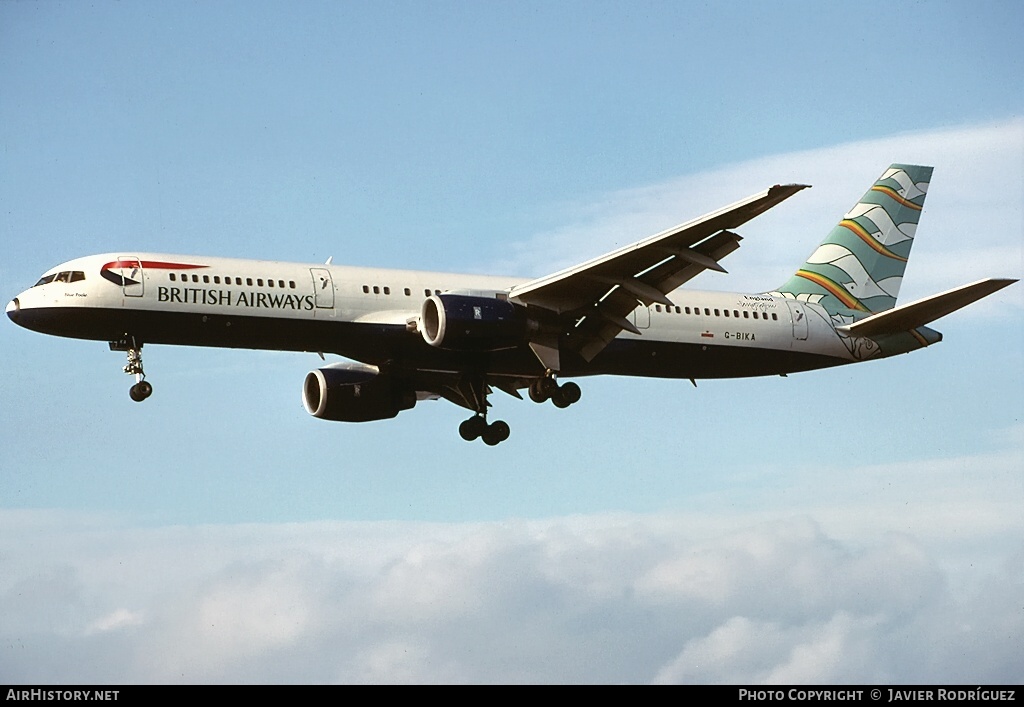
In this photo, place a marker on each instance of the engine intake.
(353, 392)
(467, 323)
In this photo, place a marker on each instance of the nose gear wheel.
(142, 388)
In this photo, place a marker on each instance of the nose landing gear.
(142, 388)
(140, 391)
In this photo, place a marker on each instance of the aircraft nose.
(14, 309)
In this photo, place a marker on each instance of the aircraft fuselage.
(369, 315)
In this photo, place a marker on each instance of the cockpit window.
(66, 276)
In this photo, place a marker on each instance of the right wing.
(593, 300)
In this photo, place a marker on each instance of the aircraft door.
(642, 317)
(798, 315)
(323, 288)
(131, 276)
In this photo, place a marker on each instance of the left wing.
(593, 300)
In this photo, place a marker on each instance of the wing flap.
(669, 275)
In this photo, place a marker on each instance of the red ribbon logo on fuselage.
(129, 272)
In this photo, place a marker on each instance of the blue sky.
(518, 139)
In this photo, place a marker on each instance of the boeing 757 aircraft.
(424, 335)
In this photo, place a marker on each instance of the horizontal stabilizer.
(910, 316)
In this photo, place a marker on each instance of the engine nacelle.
(468, 323)
(353, 392)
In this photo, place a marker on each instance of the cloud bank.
(907, 573)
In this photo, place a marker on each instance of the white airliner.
(423, 335)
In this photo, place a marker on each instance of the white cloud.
(731, 595)
(115, 620)
(742, 650)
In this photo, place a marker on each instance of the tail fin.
(859, 266)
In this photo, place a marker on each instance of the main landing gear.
(142, 388)
(547, 388)
(541, 389)
(492, 434)
(474, 391)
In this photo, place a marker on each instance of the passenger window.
(248, 281)
(291, 284)
(387, 290)
(206, 279)
(376, 290)
(195, 278)
(216, 279)
(716, 313)
(270, 283)
(408, 292)
(259, 282)
(775, 317)
(746, 314)
(727, 312)
(172, 276)
(657, 307)
(366, 289)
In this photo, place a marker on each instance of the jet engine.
(468, 323)
(353, 392)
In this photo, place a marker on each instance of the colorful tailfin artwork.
(859, 266)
